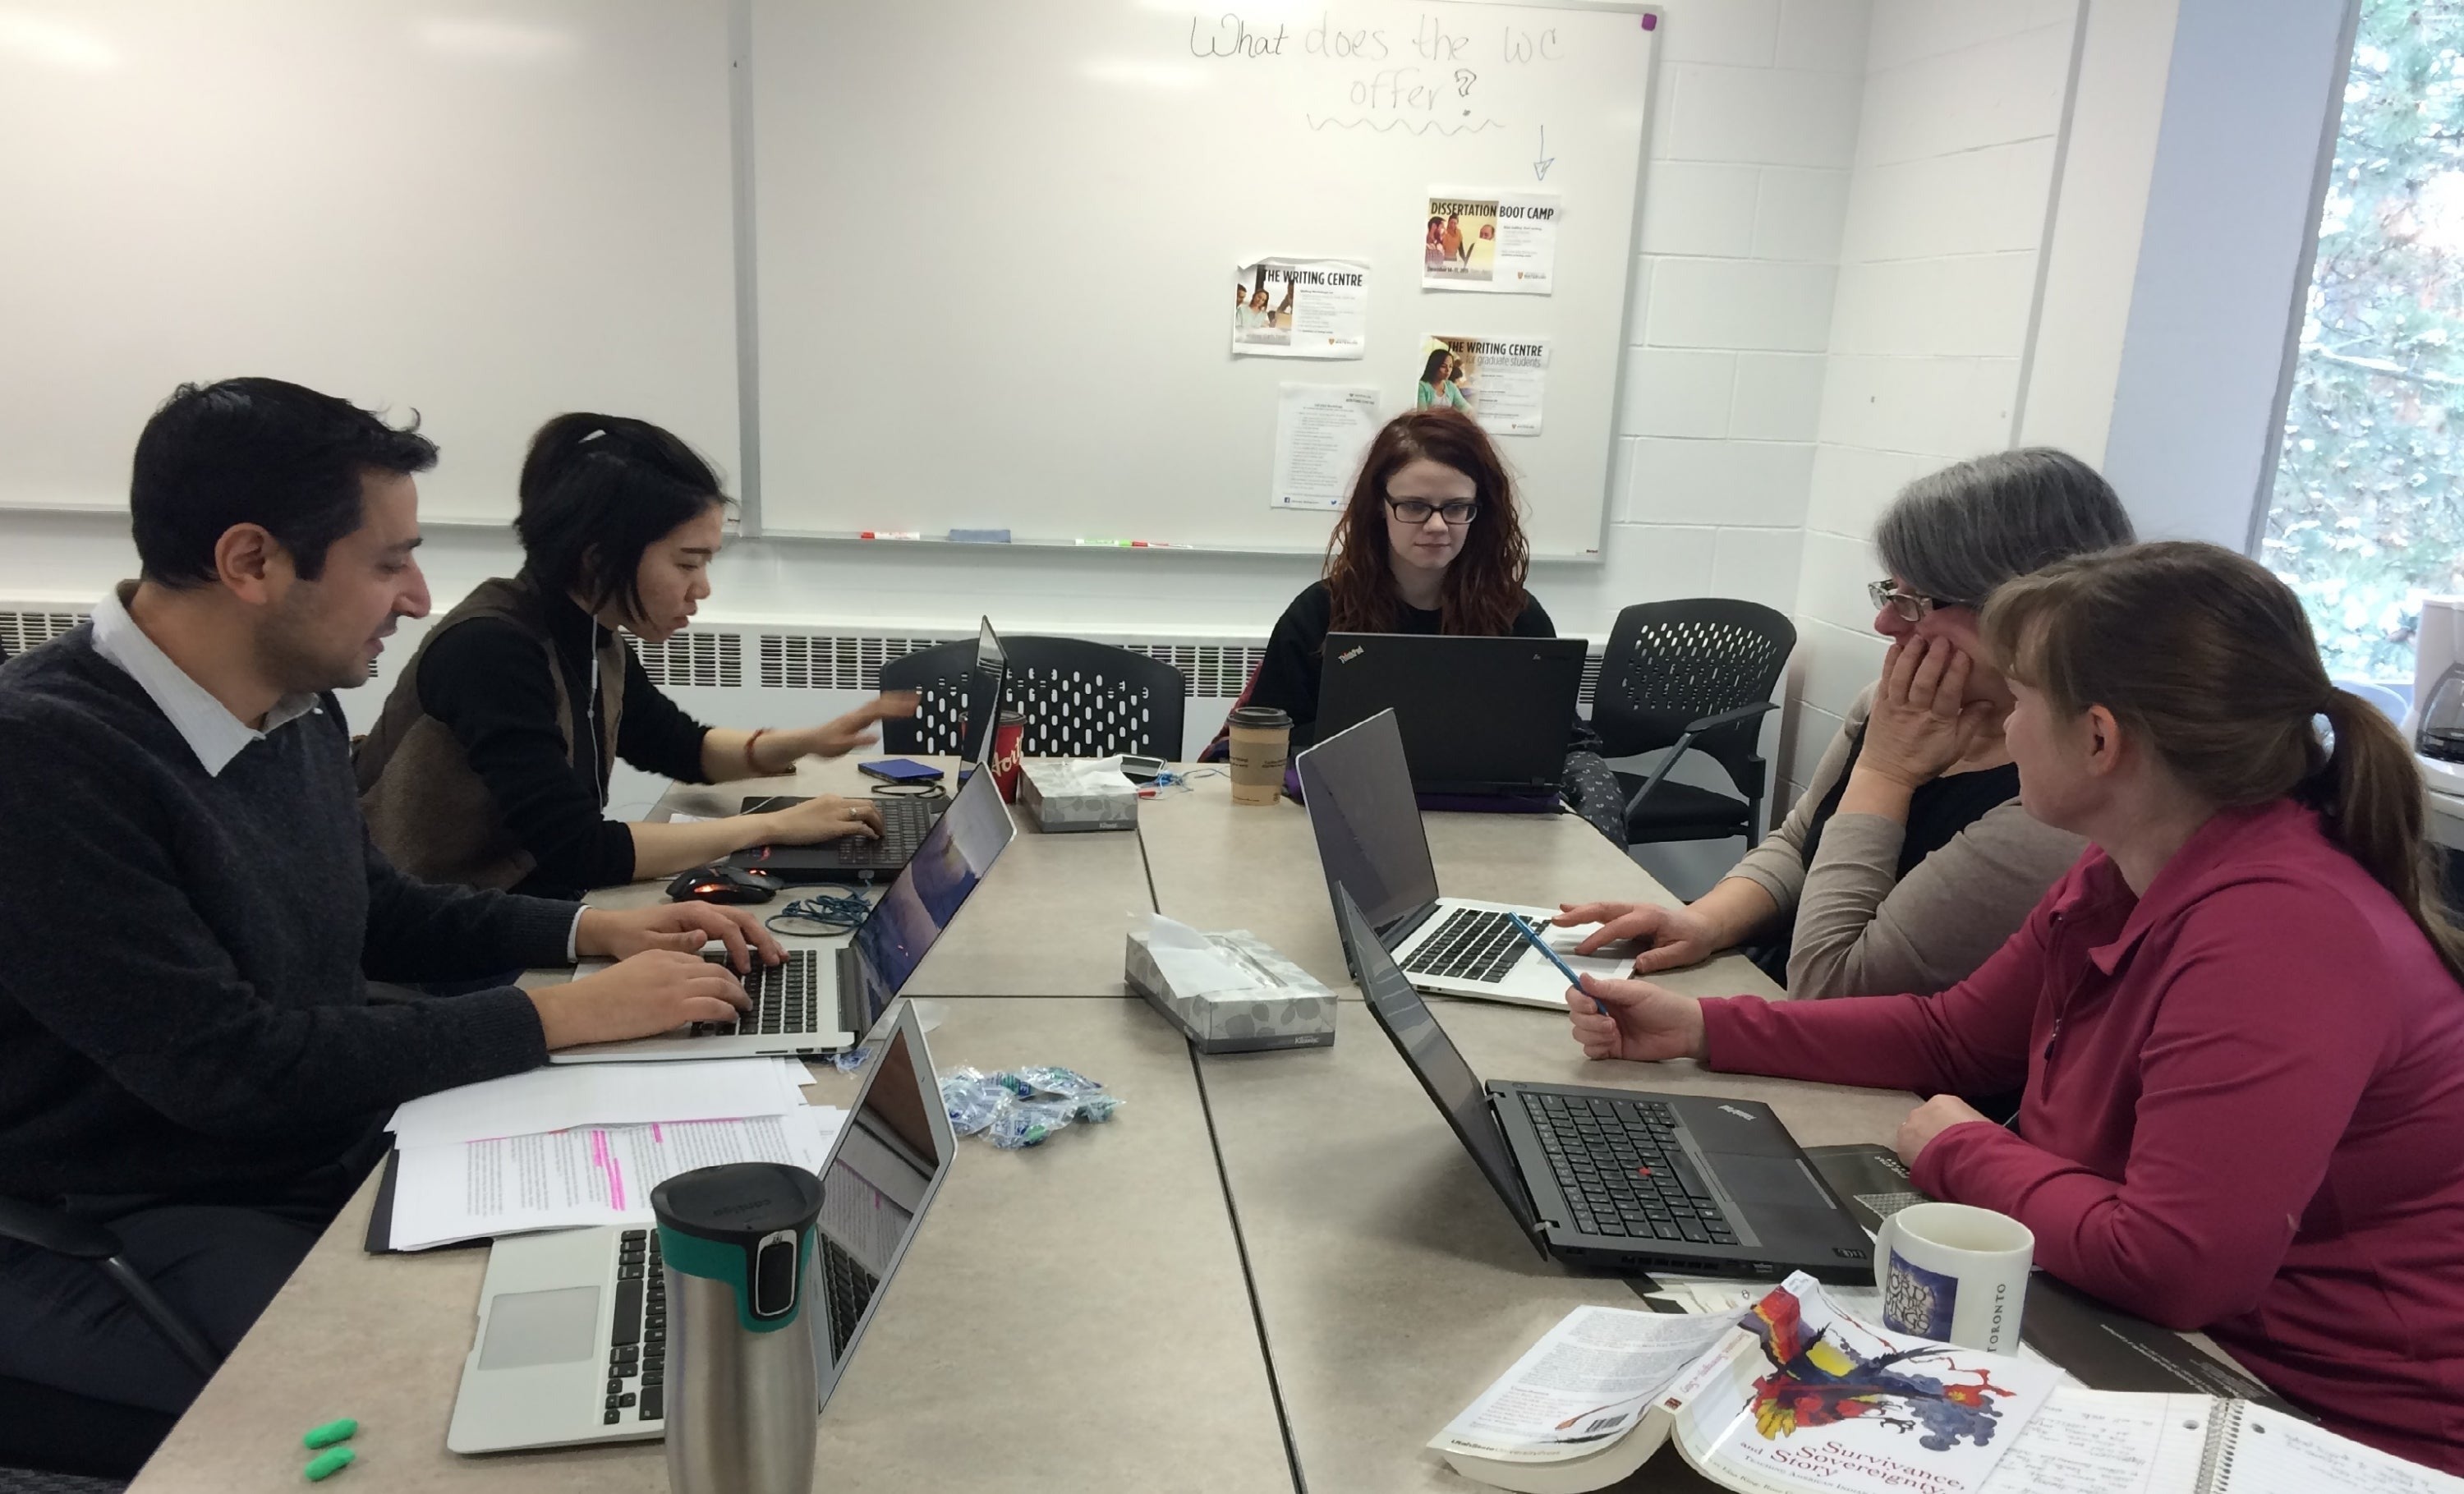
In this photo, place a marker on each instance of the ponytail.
(2369, 794)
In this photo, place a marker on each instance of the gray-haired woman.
(1908, 860)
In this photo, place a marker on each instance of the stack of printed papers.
(585, 1144)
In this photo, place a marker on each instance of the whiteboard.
(995, 243)
(486, 212)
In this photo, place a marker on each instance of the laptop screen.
(1432, 1058)
(987, 688)
(1358, 790)
(1476, 716)
(891, 1154)
(948, 863)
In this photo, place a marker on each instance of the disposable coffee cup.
(1954, 1273)
(1261, 743)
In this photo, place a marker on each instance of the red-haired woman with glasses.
(1430, 542)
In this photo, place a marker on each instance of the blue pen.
(1532, 936)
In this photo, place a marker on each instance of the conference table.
(1274, 1272)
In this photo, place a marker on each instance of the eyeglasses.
(1417, 511)
(1910, 606)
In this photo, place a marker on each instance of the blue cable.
(836, 912)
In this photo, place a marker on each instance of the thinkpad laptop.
(1358, 790)
(1478, 716)
(572, 1343)
(1621, 1179)
(822, 999)
(905, 817)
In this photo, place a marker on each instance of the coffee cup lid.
(1264, 718)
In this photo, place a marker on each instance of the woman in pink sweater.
(2238, 1017)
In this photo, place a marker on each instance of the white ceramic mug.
(1954, 1273)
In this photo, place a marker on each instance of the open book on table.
(1793, 1395)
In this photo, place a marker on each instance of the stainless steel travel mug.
(744, 1391)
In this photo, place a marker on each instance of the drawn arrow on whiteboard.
(1540, 167)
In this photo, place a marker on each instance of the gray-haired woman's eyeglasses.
(1910, 606)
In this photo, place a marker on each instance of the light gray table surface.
(1070, 1317)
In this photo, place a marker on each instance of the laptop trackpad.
(1768, 1181)
(534, 1328)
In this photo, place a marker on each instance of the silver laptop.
(822, 999)
(1358, 788)
(571, 1345)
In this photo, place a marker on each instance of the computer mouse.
(722, 885)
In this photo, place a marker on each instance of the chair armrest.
(55, 1231)
(1712, 723)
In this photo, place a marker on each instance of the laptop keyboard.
(785, 1002)
(637, 1344)
(904, 820)
(1468, 945)
(1621, 1172)
(850, 1287)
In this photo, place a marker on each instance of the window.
(2367, 512)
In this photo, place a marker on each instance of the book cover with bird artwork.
(1809, 1400)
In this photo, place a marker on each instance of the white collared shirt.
(205, 723)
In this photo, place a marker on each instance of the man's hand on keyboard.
(1633, 1019)
(685, 928)
(824, 818)
(650, 992)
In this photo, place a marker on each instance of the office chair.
(54, 1431)
(1080, 699)
(1691, 675)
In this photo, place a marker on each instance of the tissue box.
(1291, 1010)
(1071, 794)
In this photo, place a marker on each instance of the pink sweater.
(2245, 1111)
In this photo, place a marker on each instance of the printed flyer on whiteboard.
(1499, 382)
(1301, 308)
(1505, 242)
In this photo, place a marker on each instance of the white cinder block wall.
(1947, 206)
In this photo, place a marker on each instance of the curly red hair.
(1482, 593)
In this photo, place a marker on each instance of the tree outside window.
(2367, 512)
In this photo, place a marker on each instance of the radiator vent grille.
(20, 631)
(704, 660)
(804, 662)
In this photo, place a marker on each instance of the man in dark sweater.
(189, 1046)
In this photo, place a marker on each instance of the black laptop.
(905, 817)
(1621, 1179)
(1481, 716)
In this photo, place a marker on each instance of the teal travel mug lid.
(748, 1225)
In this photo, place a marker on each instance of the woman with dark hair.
(1438, 385)
(1907, 860)
(1430, 542)
(490, 765)
(2238, 1017)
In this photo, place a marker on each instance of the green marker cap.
(339, 1430)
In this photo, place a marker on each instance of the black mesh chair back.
(1692, 675)
(1080, 699)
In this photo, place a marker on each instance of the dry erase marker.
(1532, 936)
(1109, 544)
(890, 534)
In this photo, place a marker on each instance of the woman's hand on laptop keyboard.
(650, 992)
(1633, 1019)
(824, 818)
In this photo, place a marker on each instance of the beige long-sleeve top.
(1863, 929)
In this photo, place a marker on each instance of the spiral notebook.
(2084, 1441)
